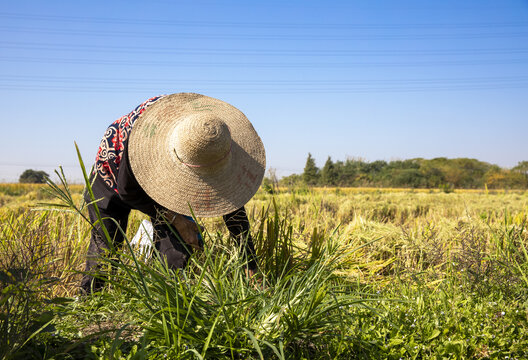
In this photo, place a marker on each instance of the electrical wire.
(256, 64)
(262, 25)
(153, 88)
(261, 82)
(260, 52)
(131, 34)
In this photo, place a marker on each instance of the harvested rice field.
(343, 273)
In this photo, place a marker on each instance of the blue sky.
(366, 79)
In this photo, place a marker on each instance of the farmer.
(175, 153)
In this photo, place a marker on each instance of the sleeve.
(238, 225)
(131, 192)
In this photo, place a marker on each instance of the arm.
(238, 225)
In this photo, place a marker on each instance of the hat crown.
(202, 141)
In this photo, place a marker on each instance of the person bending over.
(171, 154)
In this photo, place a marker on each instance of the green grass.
(343, 274)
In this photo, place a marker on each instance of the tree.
(472, 172)
(434, 176)
(522, 167)
(498, 178)
(347, 172)
(311, 172)
(33, 177)
(329, 173)
(270, 183)
(407, 177)
(291, 181)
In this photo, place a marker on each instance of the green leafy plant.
(212, 309)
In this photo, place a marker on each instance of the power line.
(264, 25)
(278, 90)
(265, 64)
(29, 165)
(260, 52)
(263, 82)
(244, 36)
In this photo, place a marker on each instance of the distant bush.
(33, 177)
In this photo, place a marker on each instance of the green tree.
(270, 183)
(374, 170)
(351, 170)
(522, 167)
(33, 177)
(311, 171)
(328, 173)
(472, 172)
(434, 176)
(498, 178)
(291, 181)
(408, 178)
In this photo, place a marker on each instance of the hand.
(187, 229)
(250, 273)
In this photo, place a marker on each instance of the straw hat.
(193, 151)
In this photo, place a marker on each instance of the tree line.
(460, 173)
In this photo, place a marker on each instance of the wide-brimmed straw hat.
(190, 151)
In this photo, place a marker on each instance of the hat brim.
(179, 187)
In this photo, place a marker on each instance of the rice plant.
(343, 273)
(212, 309)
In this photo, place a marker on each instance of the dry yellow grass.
(408, 223)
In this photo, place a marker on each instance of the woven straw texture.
(193, 151)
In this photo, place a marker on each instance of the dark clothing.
(118, 192)
(166, 242)
(98, 244)
(127, 191)
(118, 206)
